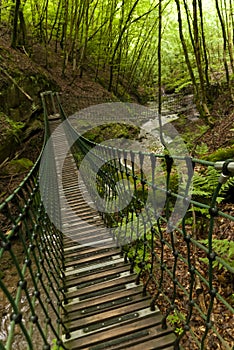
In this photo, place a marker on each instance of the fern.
(202, 148)
(224, 249)
(204, 185)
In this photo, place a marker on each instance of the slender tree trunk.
(199, 96)
(184, 46)
(99, 53)
(14, 39)
(59, 27)
(197, 53)
(86, 34)
(119, 42)
(46, 33)
(229, 34)
(23, 28)
(188, 15)
(204, 44)
(63, 41)
(160, 71)
(224, 41)
(56, 20)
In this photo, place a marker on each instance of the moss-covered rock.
(112, 131)
(20, 104)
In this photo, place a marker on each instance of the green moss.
(112, 131)
(221, 154)
(19, 165)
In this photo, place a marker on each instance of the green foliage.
(123, 35)
(224, 249)
(15, 128)
(204, 184)
(176, 320)
(202, 148)
(141, 259)
(184, 83)
(139, 249)
(112, 131)
(221, 154)
(55, 346)
(19, 165)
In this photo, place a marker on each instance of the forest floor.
(74, 89)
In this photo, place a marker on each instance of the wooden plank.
(74, 217)
(112, 265)
(92, 310)
(98, 301)
(118, 282)
(81, 206)
(88, 242)
(81, 250)
(70, 189)
(84, 230)
(90, 259)
(163, 343)
(106, 315)
(76, 194)
(76, 234)
(149, 339)
(102, 240)
(92, 277)
(83, 218)
(77, 342)
(87, 228)
(76, 198)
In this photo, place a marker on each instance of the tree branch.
(16, 84)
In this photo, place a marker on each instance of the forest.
(142, 51)
(133, 45)
(136, 50)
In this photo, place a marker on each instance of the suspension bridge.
(103, 267)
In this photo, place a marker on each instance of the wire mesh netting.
(168, 214)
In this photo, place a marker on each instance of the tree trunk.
(122, 31)
(204, 44)
(14, 39)
(197, 53)
(200, 97)
(224, 41)
(184, 46)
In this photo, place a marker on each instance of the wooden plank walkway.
(105, 308)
